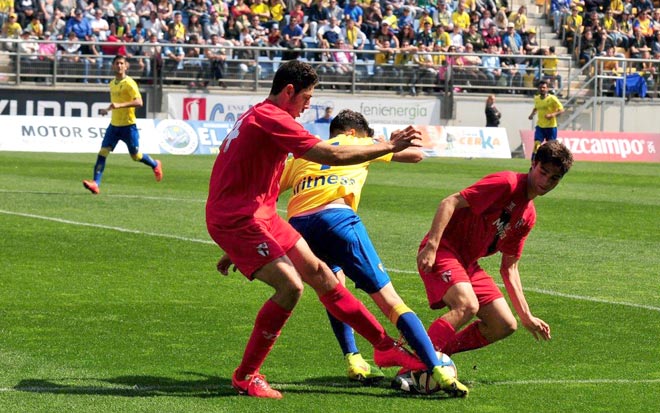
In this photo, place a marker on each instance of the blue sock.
(344, 334)
(146, 159)
(415, 334)
(98, 169)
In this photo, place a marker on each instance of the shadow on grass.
(202, 387)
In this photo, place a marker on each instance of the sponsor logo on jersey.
(262, 249)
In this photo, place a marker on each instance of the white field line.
(395, 270)
(68, 388)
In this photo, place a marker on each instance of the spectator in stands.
(594, 5)
(156, 26)
(512, 39)
(493, 115)
(120, 26)
(258, 32)
(626, 29)
(404, 69)
(173, 55)
(28, 49)
(100, 26)
(129, 11)
(71, 50)
(444, 15)
(611, 26)
(493, 37)
(372, 18)
(514, 67)
(274, 37)
(550, 70)
(592, 21)
(559, 10)
(356, 13)
(638, 44)
(241, 13)
(232, 30)
(644, 23)
(152, 52)
(425, 36)
(199, 8)
(485, 21)
(617, 9)
(407, 33)
(425, 17)
(472, 70)
(25, 10)
(492, 66)
(277, 10)
(460, 18)
(426, 71)
(573, 27)
(519, 19)
(299, 14)
(353, 36)
(36, 28)
(590, 47)
(328, 34)
(176, 30)
(163, 7)
(390, 18)
(194, 27)
(134, 52)
(46, 10)
(336, 11)
(473, 37)
(655, 45)
(214, 26)
(216, 60)
(248, 57)
(193, 62)
(386, 43)
(530, 44)
(292, 39)
(457, 37)
(342, 58)
(57, 24)
(501, 19)
(261, 10)
(442, 38)
(643, 5)
(317, 16)
(143, 9)
(610, 68)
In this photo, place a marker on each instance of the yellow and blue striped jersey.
(122, 91)
(316, 185)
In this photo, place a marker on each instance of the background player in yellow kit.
(548, 108)
(323, 209)
(125, 97)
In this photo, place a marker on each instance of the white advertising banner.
(226, 108)
(178, 137)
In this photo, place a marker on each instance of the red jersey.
(499, 218)
(245, 180)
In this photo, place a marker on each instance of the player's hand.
(402, 139)
(539, 328)
(549, 116)
(223, 265)
(103, 112)
(426, 259)
(530, 117)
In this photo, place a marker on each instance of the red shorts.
(448, 271)
(256, 243)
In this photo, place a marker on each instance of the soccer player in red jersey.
(242, 219)
(494, 214)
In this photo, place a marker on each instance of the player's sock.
(413, 331)
(345, 307)
(344, 334)
(469, 338)
(440, 333)
(267, 327)
(147, 160)
(98, 169)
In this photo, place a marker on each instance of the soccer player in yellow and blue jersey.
(125, 97)
(323, 209)
(548, 108)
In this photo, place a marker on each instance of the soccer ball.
(422, 381)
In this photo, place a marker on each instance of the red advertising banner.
(603, 146)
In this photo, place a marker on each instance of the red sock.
(346, 308)
(441, 332)
(469, 338)
(267, 327)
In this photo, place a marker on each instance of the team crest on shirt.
(262, 249)
(446, 276)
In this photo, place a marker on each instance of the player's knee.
(466, 309)
(506, 327)
(104, 152)
(136, 156)
(289, 293)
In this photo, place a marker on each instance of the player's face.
(543, 178)
(120, 66)
(300, 102)
(543, 89)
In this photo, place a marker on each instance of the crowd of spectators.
(411, 37)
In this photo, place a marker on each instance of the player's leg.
(539, 137)
(132, 140)
(345, 307)
(495, 320)
(108, 144)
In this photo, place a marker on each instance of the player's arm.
(511, 277)
(443, 214)
(325, 154)
(410, 155)
(135, 103)
(531, 115)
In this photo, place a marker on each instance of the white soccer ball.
(423, 381)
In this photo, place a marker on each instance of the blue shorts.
(127, 134)
(545, 134)
(338, 237)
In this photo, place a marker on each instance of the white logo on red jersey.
(446, 276)
(262, 249)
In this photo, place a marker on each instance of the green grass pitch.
(111, 303)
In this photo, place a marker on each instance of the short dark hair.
(349, 119)
(557, 154)
(119, 57)
(294, 72)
